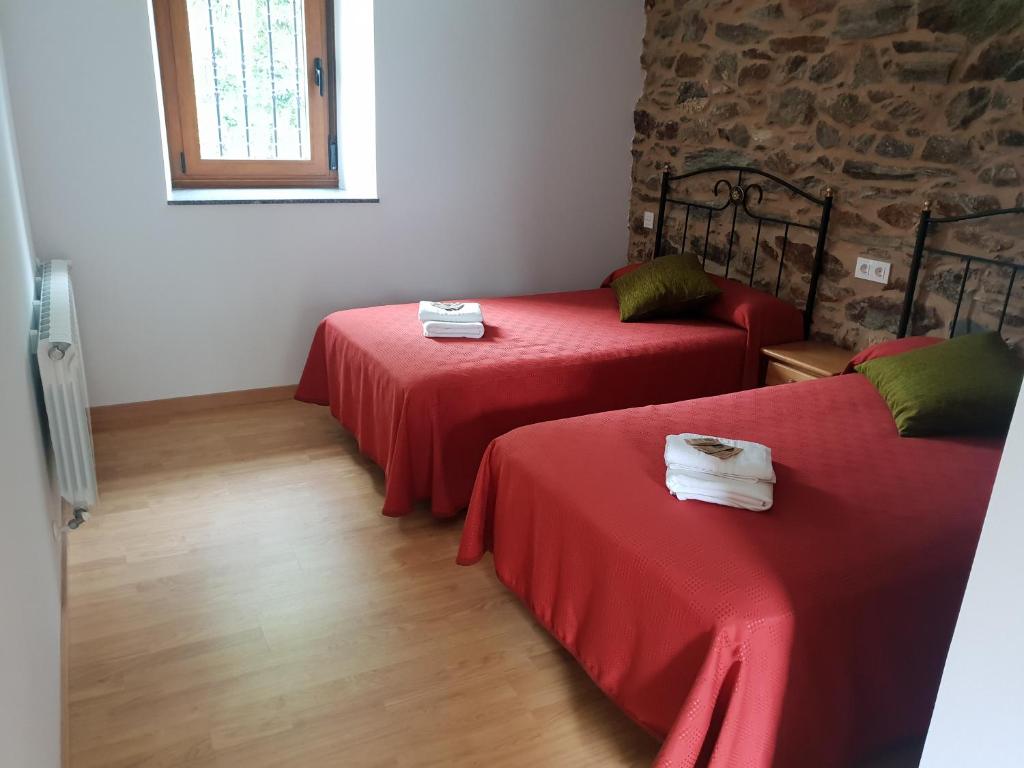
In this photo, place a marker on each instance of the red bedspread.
(425, 409)
(809, 635)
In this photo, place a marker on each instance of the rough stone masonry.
(891, 102)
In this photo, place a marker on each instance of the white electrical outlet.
(648, 219)
(873, 270)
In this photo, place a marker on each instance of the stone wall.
(890, 102)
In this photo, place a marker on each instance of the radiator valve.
(80, 517)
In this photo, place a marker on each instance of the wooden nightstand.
(803, 360)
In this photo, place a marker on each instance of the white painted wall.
(29, 557)
(977, 718)
(503, 138)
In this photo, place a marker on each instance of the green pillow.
(967, 385)
(669, 285)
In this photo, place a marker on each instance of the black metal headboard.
(738, 195)
(925, 227)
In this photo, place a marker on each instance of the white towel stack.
(745, 480)
(451, 320)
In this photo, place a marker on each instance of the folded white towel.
(744, 494)
(438, 330)
(754, 462)
(450, 312)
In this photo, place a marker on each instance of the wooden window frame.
(188, 169)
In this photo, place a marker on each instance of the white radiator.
(62, 372)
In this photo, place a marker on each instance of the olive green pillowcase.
(666, 286)
(967, 385)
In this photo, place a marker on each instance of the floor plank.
(238, 600)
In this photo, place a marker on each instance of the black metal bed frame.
(921, 248)
(738, 197)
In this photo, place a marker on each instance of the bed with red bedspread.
(425, 409)
(809, 635)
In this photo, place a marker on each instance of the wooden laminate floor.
(238, 600)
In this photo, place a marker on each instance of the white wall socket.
(871, 269)
(648, 219)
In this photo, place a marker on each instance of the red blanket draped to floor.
(809, 635)
(425, 409)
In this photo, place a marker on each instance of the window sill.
(264, 196)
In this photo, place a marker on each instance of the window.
(248, 92)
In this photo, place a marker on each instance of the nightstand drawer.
(803, 361)
(778, 373)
